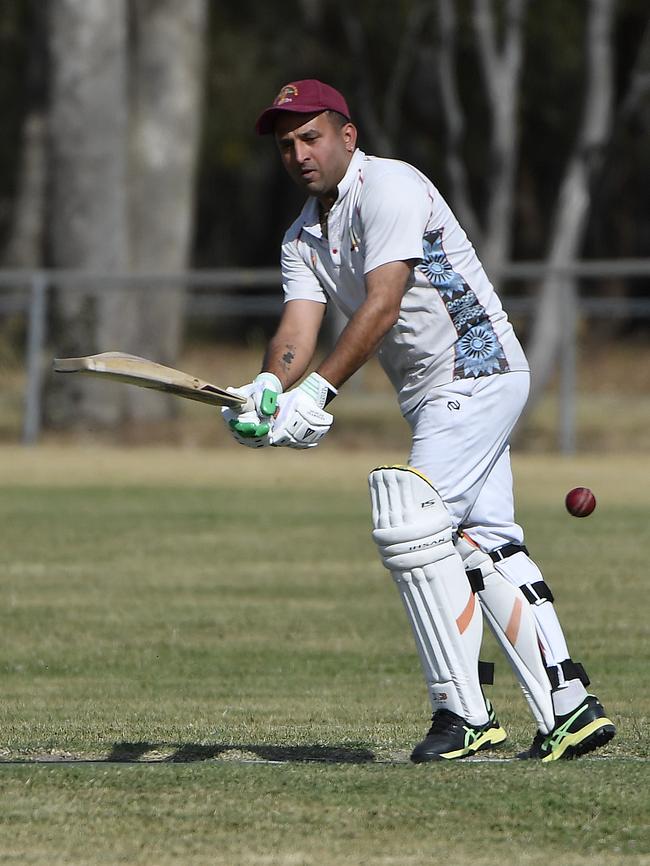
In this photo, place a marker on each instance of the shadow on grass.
(189, 752)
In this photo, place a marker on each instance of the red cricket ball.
(580, 502)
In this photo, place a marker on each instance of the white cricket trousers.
(460, 442)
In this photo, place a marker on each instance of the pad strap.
(486, 673)
(571, 671)
(475, 577)
(506, 551)
(537, 592)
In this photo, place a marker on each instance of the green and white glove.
(302, 421)
(250, 426)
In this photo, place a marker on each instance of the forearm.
(358, 342)
(385, 288)
(291, 349)
(287, 356)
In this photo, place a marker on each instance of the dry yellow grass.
(622, 480)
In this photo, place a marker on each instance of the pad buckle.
(570, 670)
(538, 592)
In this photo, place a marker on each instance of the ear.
(349, 131)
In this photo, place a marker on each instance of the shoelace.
(442, 722)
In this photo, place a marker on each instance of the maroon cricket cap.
(303, 97)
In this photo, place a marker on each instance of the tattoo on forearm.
(288, 357)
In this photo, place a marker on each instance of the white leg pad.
(513, 624)
(521, 570)
(412, 529)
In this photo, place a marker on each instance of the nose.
(300, 151)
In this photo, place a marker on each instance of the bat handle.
(269, 402)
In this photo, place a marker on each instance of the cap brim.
(266, 120)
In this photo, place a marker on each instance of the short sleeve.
(299, 282)
(394, 210)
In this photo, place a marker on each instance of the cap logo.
(287, 94)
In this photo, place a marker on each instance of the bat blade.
(132, 370)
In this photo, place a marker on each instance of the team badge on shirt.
(478, 351)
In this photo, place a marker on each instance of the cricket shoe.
(581, 731)
(451, 737)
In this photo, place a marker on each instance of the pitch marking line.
(67, 762)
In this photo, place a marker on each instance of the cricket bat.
(132, 370)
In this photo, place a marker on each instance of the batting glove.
(250, 426)
(302, 421)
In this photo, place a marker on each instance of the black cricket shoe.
(581, 731)
(450, 737)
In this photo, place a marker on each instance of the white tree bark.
(24, 247)
(501, 66)
(557, 297)
(166, 87)
(122, 171)
(500, 63)
(88, 205)
(452, 109)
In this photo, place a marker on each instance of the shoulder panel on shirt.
(395, 205)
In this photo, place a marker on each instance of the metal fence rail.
(241, 292)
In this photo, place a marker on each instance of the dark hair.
(337, 118)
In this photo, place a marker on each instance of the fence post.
(568, 378)
(35, 346)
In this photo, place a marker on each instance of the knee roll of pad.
(411, 525)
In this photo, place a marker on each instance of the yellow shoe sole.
(592, 736)
(488, 739)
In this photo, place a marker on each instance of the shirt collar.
(350, 175)
(310, 214)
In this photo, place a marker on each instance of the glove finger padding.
(250, 424)
(247, 428)
(300, 422)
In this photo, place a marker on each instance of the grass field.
(203, 662)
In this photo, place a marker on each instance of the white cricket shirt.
(451, 324)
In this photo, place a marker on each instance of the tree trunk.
(24, 247)
(558, 295)
(500, 64)
(382, 117)
(88, 225)
(166, 87)
(501, 67)
(444, 58)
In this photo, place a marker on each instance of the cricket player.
(376, 239)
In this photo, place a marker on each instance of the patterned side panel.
(478, 350)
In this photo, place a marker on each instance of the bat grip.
(268, 404)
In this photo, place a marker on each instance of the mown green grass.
(334, 814)
(200, 608)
